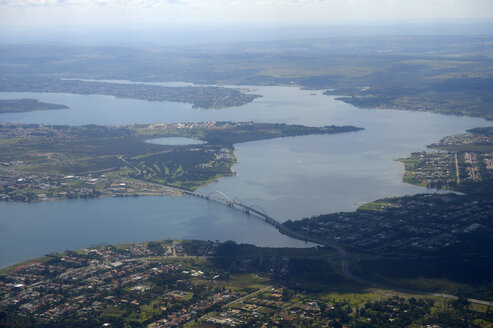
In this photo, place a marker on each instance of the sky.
(187, 22)
(29, 13)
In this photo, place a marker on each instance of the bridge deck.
(230, 203)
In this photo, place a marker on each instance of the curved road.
(349, 275)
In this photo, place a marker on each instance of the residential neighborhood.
(409, 224)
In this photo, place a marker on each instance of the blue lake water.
(290, 178)
(175, 141)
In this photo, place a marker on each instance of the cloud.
(18, 12)
(88, 3)
(260, 3)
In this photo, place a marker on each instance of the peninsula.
(39, 162)
(26, 105)
(198, 96)
(462, 162)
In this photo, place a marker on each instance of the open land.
(208, 284)
(40, 162)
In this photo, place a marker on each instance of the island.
(26, 105)
(43, 162)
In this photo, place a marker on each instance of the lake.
(290, 178)
(175, 141)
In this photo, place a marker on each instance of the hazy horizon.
(185, 22)
(185, 35)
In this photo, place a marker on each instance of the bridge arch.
(220, 193)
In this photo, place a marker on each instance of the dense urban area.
(463, 160)
(206, 284)
(405, 225)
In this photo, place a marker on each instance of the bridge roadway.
(236, 203)
(343, 256)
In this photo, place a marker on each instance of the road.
(247, 296)
(457, 169)
(240, 299)
(343, 257)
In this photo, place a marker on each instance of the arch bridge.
(220, 197)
